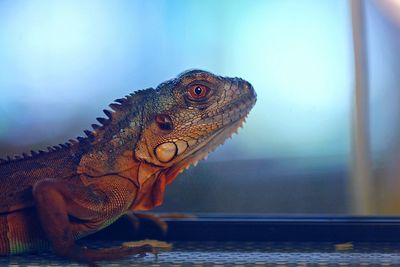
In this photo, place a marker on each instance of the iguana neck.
(112, 143)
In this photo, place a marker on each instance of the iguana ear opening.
(164, 122)
(148, 147)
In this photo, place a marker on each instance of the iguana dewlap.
(123, 165)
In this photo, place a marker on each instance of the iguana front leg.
(92, 206)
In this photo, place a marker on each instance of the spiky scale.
(95, 126)
(116, 107)
(103, 121)
(73, 141)
(108, 113)
(63, 145)
(120, 100)
(81, 139)
(89, 134)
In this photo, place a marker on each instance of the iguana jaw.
(201, 152)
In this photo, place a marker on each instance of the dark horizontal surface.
(339, 229)
(198, 253)
(251, 240)
(267, 229)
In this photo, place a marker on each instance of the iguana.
(123, 165)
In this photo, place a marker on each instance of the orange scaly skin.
(75, 189)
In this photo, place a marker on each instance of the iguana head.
(189, 116)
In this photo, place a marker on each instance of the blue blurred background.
(66, 60)
(62, 62)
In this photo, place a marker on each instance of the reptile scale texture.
(72, 190)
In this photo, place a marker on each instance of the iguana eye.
(198, 91)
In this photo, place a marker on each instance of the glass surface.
(61, 63)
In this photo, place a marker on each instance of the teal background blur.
(62, 62)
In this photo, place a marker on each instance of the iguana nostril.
(249, 88)
(164, 122)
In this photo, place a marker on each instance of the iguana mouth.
(212, 142)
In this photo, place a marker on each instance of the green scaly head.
(189, 116)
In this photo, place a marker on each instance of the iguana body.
(80, 187)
